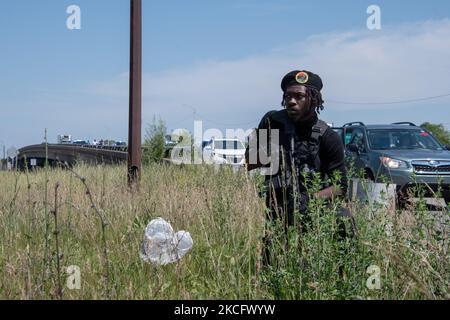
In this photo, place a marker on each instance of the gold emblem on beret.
(302, 77)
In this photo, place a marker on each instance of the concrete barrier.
(373, 193)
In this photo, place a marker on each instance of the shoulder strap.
(318, 131)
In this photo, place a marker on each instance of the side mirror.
(353, 148)
(447, 147)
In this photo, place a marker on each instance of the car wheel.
(403, 200)
(368, 175)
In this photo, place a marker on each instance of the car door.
(359, 158)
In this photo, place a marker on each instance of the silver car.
(400, 153)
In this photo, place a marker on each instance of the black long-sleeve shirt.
(331, 148)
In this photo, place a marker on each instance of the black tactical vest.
(299, 156)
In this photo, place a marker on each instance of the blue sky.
(222, 60)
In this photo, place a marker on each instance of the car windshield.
(402, 139)
(206, 143)
(228, 144)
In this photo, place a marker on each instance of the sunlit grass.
(225, 216)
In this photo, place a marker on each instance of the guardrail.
(100, 147)
(89, 146)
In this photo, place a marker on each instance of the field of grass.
(100, 224)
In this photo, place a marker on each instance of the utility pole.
(4, 149)
(135, 113)
(3, 161)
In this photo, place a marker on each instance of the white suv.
(224, 151)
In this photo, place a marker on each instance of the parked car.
(80, 142)
(64, 139)
(206, 143)
(120, 144)
(224, 151)
(169, 144)
(401, 153)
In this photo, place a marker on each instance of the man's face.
(296, 103)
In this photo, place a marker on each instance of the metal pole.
(4, 162)
(135, 116)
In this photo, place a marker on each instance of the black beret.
(303, 77)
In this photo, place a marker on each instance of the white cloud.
(396, 63)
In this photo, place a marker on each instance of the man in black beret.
(307, 146)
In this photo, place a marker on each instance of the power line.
(392, 102)
(202, 118)
(229, 124)
(330, 101)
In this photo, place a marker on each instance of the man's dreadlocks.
(315, 97)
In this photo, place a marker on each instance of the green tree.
(154, 142)
(438, 131)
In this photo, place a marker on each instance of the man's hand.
(329, 193)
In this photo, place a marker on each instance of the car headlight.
(393, 163)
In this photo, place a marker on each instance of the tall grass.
(225, 216)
